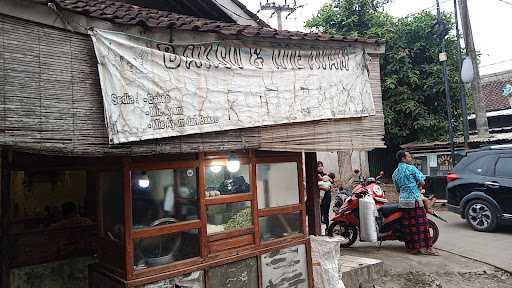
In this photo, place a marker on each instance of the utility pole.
(443, 58)
(279, 9)
(462, 89)
(480, 110)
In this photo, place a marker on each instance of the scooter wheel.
(347, 231)
(434, 231)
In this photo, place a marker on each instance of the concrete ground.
(465, 253)
(458, 237)
(403, 270)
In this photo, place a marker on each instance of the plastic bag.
(325, 253)
(368, 224)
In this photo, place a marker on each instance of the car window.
(504, 168)
(481, 166)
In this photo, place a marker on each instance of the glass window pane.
(241, 274)
(230, 216)
(191, 280)
(278, 184)
(165, 249)
(481, 166)
(164, 196)
(111, 193)
(219, 181)
(504, 168)
(278, 226)
(287, 266)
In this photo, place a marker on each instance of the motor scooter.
(345, 223)
(372, 185)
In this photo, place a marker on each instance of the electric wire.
(497, 63)
(425, 9)
(506, 2)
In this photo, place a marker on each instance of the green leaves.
(413, 91)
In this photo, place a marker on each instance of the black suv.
(480, 188)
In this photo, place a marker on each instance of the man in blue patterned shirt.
(408, 180)
(414, 223)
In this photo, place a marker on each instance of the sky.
(489, 21)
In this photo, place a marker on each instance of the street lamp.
(466, 73)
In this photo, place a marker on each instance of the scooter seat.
(388, 209)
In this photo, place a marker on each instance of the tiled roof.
(122, 13)
(492, 90)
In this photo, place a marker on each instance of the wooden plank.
(230, 234)
(128, 220)
(202, 206)
(225, 154)
(49, 245)
(166, 229)
(177, 164)
(5, 189)
(280, 210)
(302, 200)
(313, 194)
(260, 276)
(167, 268)
(310, 264)
(236, 242)
(278, 159)
(222, 161)
(254, 204)
(234, 255)
(111, 255)
(223, 199)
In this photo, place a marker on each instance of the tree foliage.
(412, 76)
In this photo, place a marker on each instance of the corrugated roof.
(123, 13)
(473, 139)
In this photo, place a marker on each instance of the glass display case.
(181, 221)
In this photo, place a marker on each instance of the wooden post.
(5, 215)
(128, 220)
(313, 194)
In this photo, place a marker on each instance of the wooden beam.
(128, 220)
(5, 216)
(313, 194)
(289, 209)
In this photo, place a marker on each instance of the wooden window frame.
(299, 208)
(148, 232)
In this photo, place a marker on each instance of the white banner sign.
(154, 90)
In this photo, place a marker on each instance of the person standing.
(414, 223)
(324, 185)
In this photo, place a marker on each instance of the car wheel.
(481, 216)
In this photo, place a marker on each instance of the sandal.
(413, 252)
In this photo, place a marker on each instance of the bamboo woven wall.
(51, 103)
